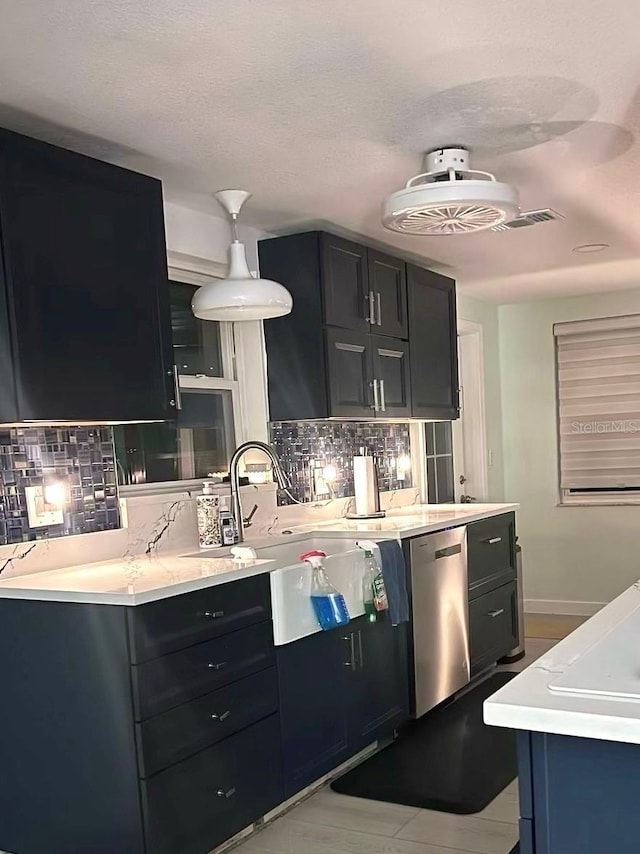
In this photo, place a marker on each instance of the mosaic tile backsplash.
(80, 459)
(307, 448)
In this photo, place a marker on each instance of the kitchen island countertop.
(571, 690)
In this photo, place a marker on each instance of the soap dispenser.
(207, 510)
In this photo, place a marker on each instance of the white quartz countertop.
(540, 698)
(411, 521)
(141, 579)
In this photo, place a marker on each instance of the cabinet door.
(349, 376)
(312, 676)
(491, 553)
(86, 283)
(391, 370)
(345, 283)
(388, 285)
(434, 347)
(378, 690)
(493, 626)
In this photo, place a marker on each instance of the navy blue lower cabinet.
(171, 754)
(584, 795)
(312, 684)
(378, 692)
(339, 691)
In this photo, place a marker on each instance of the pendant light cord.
(234, 228)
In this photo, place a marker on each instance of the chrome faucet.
(284, 485)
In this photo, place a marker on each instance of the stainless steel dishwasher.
(439, 617)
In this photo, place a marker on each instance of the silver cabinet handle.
(213, 615)
(221, 717)
(493, 540)
(217, 666)
(352, 658)
(228, 793)
(376, 399)
(383, 403)
(177, 400)
(372, 309)
(379, 304)
(496, 613)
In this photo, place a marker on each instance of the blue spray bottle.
(328, 604)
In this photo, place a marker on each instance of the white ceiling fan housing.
(449, 198)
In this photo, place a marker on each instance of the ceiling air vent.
(528, 218)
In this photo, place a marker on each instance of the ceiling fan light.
(450, 198)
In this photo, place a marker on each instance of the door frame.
(470, 430)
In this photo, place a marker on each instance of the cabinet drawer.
(167, 682)
(201, 802)
(171, 624)
(178, 733)
(492, 626)
(490, 553)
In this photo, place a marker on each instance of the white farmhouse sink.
(293, 614)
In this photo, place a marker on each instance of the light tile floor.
(328, 823)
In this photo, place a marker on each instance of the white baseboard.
(557, 606)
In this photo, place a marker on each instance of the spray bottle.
(328, 604)
(374, 593)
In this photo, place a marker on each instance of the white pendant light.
(240, 296)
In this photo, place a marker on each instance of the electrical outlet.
(320, 486)
(39, 512)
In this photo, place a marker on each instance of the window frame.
(242, 350)
(579, 498)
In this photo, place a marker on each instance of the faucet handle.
(246, 522)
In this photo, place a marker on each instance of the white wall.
(206, 236)
(573, 554)
(486, 314)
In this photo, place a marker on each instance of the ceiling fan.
(450, 198)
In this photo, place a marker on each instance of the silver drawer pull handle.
(229, 793)
(379, 308)
(213, 615)
(217, 666)
(496, 613)
(493, 540)
(221, 717)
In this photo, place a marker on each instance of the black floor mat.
(449, 760)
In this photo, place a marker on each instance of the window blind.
(598, 388)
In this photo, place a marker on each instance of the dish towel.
(394, 572)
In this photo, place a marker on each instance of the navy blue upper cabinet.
(343, 350)
(433, 344)
(84, 311)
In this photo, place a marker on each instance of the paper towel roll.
(365, 482)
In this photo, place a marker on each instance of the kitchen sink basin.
(289, 552)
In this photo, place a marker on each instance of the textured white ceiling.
(322, 107)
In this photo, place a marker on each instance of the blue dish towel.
(394, 572)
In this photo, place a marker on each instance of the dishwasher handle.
(449, 551)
